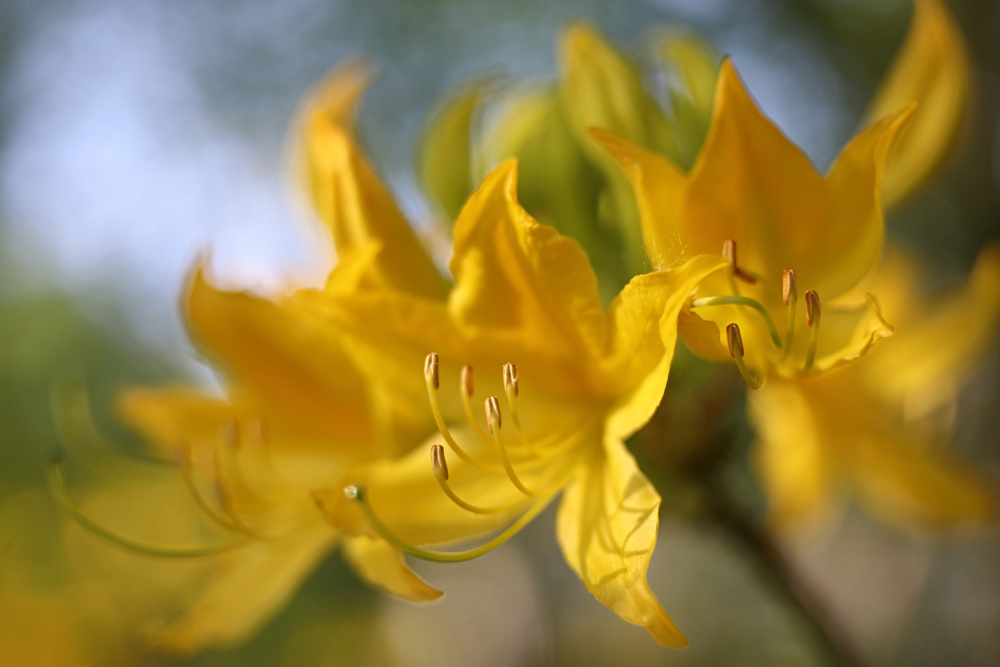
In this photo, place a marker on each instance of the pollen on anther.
(788, 287)
(510, 379)
(467, 385)
(492, 412)
(431, 370)
(439, 462)
(812, 307)
(735, 339)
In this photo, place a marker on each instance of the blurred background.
(135, 135)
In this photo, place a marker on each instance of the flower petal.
(349, 196)
(520, 284)
(639, 354)
(932, 69)
(791, 453)
(606, 525)
(382, 566)
(174, 417)
(941, 342)
(249, 586)
(290, 367)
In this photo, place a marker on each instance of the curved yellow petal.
(382, 566)
(932, 69)
(848, 333)
(288, 366)
(639, 355)
(796, 468)
(940, 342)
(606, 525)
(247, 587)
(659, 189)
(522, 284)
(902, 479)
(347, 193)
(175, 417)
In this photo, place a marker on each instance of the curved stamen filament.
(225, 499)
(431, 376)
(493, 419)
(742, 301)
(187, 475)
(357, 494)
(61, 488)
(511, 389)
(736, 351)
(812, 319)
(466, 390)
(441, 473)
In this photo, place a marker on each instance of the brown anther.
(438, 461)
(492, 412)
(788, 287)
(510, 379)
(729, 254)
(467, 386)
(735, 340)
(812, 307)
(431, 370)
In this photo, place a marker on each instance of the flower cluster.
(400, 408)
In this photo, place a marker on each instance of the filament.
(511, 389)
(357, 493)
(432, 383)
(466, 391)
(187, 474)
(742, 301)
(441, 473)
(61, 488)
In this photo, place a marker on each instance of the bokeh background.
(136, 134)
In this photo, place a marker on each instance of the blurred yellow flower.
(752, 190)
(585, 380)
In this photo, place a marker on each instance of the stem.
(775, 565)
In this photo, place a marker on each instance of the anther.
(439, 462)
(510, 379)
(467, 387)
(788, 291)
(729, 253)
(812, 307)
(431, 370)
(493, 413)
(735, 341)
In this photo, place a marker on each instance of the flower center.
(789, 296)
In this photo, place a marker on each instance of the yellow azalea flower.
(586, 378)
(297, 412)
(802, 238)
(864, 425)
(932, 69)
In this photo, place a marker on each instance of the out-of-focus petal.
(606, 526)
(932, 69)
(382, 566)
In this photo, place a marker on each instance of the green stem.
(743, 301)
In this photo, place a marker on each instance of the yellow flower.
(585, 379)
(752, 190)
(297, 412)
(867, 425)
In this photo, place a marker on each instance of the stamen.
(467, 390)
(789, 295)
(57, 479)
(736, 351)
(431, 376)
(742, 301)
(510, 388)
(225, 499)
(812, 319)
(493, 420)
(440, 466)
(729, 253)
(187, 475)
(357, 494)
